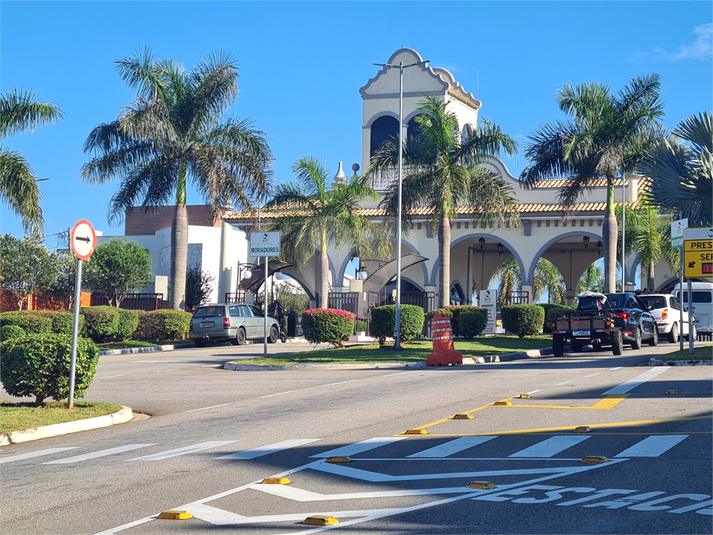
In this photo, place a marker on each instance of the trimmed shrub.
(163, 325)
(38, 365)
(327, 325)
(383, 321)
(454, 313)
(8, 332)
(472, 322)
(101, 323)
(32, 322)
(361, 326)
(63, 321)
(523, 320)
(551, 312)
(128, 322)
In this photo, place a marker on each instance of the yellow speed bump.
(463, 416)
(481, 485)
(594, 459)
(416, 432)
(320, 520)
(276, 481)
(339, 460)
(524, 396)
(583, 429)
(175, 515)
(672, 393)
(502, 403)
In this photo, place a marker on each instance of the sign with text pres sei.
(264, 244)
(698, 252)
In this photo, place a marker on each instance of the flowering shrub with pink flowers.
(327, 325)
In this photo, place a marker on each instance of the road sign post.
(83, 241)
(265, 244)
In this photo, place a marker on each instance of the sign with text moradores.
(698, 252)
(264, 244)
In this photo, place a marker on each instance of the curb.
(153, 349)
(385, 365)
(656, 362)
(36, 433)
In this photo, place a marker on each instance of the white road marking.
(617, 368)
(565, 383)
(551, 446)
(270, 448)
(359, 447)
(111, 376)
(394, 374)
(297, 494)
(340, 382)
(211, 407)
(452, 446)
(97, 454)
(632, 383)
(184, 451)
(278, 394)
(652, 446)
(593, 374)
(23, 456)
(533, 392)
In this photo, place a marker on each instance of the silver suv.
(234, 323)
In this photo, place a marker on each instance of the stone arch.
(413, 129)
(474, 237)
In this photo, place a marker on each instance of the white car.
(667, 312)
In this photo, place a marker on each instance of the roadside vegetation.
(18, 416)
(699, 353)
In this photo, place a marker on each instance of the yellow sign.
(698, 264)
(698, 245)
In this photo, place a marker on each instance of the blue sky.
(302, 64)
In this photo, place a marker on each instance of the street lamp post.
(397, 318)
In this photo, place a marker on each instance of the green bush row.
(466, 320)
(552, 310)
(327, 325)
(383, 322)
(523, 320)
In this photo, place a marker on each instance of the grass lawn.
(699, 353)
(17, 416)
(412, 351)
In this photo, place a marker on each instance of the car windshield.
(589, 303)
(209, 312)
(615, 300)
(657, 301)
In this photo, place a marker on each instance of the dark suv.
(633, 316)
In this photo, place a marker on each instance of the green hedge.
(383, 321)
(162, 325)
(472, 322)
(552, 310)
(327, 325)
(454, 312)
(11, 331)
(31, 321)
(38, 365)
(523, 320)
(63, 322)
(101, 324)
(128, 323)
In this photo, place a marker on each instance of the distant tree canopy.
(118, 268)
(26, 267)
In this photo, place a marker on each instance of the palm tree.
(605, 137)
(683, 176)
(509, 280)
(592, 279)
(21, 111)
(444, 173)
(648, 235)
(173, 132)
(319, 214)
(548, 278)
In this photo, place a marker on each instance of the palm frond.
(23, 110)
(19, 189)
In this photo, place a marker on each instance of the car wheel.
(274, 335)
(654, 340)
(200, 343)
(558, 345)
(617, 343)
(240, 337)
(577, 347)
(636, 342)
(673, 335)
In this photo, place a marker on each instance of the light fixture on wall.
(481, 242)
(585, 240)
(600, 248)
(500, 248)
(361, 273)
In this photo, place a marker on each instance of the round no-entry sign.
(82, 239)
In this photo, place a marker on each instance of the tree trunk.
(323, 272)
(444, 253)
(179, 256)
(609, 238)
(650, 277)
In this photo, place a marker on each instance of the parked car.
(234, 323)
(666, 310)
(636, 322)
(701, 306)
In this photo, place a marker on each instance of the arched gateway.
(571, 240)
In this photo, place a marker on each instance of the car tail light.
(226, 323)
(623, 315)
(664, 313)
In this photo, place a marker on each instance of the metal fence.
(144, 301)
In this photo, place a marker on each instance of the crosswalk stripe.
(359, 447)
(183, 451)
(551, 446)
(452, 446)
(23, 456)
(270, 448)
(632, 383)
(97, 454)
(652, 446)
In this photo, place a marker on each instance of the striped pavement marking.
(653, 446)
(452, 446)
(268, 449)
(97, 454)
(359, 447)
(551, 446)
(23, 456)
(184, 451)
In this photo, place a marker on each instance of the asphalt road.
(214, 435)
